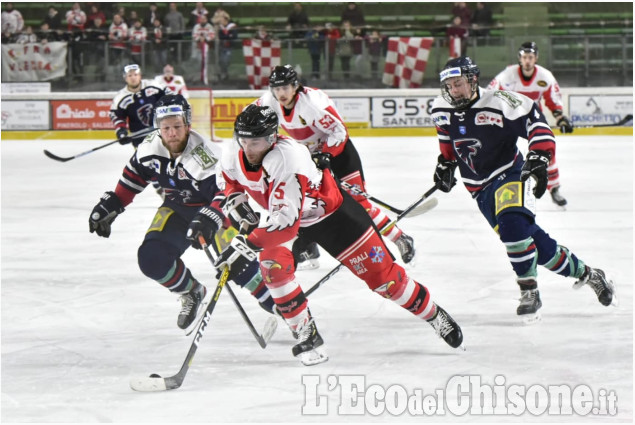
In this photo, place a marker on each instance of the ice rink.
(79, 320)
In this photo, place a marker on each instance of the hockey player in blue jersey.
(478, 130)
(132, 106)
(186, 166)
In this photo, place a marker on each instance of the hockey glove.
(206, 223)
(322, 160)
(236, 207)
(104, 213)
(536, 166)
(122, 135)
(239, 256)
(564, 124)
(444, 174)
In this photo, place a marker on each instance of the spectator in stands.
(374, 43)
(331, 34)
(196, 17)
(482, 20)
(118, 35)
(354, 15)
(132, 18)
(151, 14)
(76, 18)
(203, 35)
(12, 21)
(46, 34)
(94, 13)
(297, 22)
(227, 33)
(315, 44)
(26, 36)
(53, 19)
(137, 37)
(96, 35)
(174, 22)
(158, 39)
(218, 15)
(456, 31)
(262, 33)
(345, 48)
(461, 10)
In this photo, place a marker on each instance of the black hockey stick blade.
(155, 382)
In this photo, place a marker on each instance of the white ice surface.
(79, 319)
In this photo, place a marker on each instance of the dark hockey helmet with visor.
(459, 67)
(172, 105)
(528, 47)
(283, 75)
(256, 122)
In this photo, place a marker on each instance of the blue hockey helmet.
(459, 67)
(172, 105)
(255, 122)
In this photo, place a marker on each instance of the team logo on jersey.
(441, 118)
(467, 150)
(541, 83)
(508, 98)
(462, 130)
(151, 90)
(488, 118)
(302, 120)
(360, 268)
(377, 254)
(204, 157)
(144, 113)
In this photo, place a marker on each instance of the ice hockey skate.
(603, 287)
(529, 305)
(406, 246)
(310, 348)
(557, 197)
(308, 259)
(447, 328)
(193, 305)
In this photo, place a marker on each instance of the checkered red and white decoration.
(260, 57)
(406, 61)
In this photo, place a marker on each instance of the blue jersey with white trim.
(483, 138)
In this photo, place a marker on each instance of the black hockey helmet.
(283, 75)
(256, 121)
(459, 67)
(528, 47)
(172, 105)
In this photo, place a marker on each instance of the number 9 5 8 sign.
(402, 111)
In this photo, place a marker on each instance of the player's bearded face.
(255, 149)
(174, 134)
(284, 94)
(527, 62)
(133, 79)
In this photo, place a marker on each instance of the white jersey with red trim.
(313, 121)
(288, 185)
(176, 84)
(541, 85)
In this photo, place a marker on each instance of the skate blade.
(308, 265)
(199, 315)
(312, 357)
(531, 319)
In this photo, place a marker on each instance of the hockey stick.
(399, 217)
(270, 325)
(68, 158)
(155, 382)
(415, 212)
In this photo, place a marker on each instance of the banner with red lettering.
(33, 61)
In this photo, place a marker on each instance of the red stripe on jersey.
(124, 194)
(134, 176)
(299, 133)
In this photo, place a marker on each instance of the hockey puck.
(154, 375)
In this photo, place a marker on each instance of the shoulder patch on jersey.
(302, 120)
(488, 118)
(508, 98)
(542, 83)
(441, 118)
(151, 90)
(204, 157)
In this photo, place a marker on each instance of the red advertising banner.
(81, 114)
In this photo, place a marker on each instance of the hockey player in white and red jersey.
(478, 132)
(176, 83)
(310, 117)
(304, 201)
(537, 83)
(187, 167)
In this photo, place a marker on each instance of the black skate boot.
(529, 305)
(406, 247)
(447, 328)
(308, 259)
(307, 349)
(191, 304)
(603, 287)
(557, 198)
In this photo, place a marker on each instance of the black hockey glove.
(236, 207)
(444, 174)
(239, 256)
(564, 124)
(322, 160)
(104, 213)
(122, 135)
(536, 166)
(206, 223)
